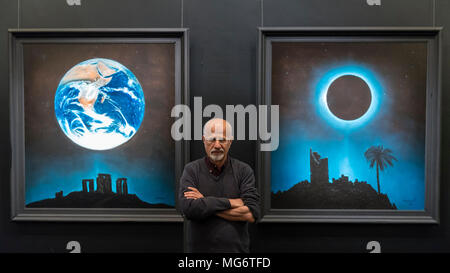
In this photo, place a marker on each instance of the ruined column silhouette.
(88, 185)
(91, 185)
(125, 186)
(119, 186)
(59, 195)
(104, 183)
(85, 189)
(318, 168)
(108, 183)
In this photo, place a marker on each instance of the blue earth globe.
(99, 104)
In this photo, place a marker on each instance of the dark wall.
(223, 45)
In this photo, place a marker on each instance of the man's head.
(217, 138)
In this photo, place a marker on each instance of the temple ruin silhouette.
(319, 171)
(319, 168)
(321, 193)
(98, 193)
(104, 184)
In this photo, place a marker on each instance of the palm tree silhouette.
(381, 157)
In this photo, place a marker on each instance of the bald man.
(217, 195)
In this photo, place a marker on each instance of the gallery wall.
(223, 70)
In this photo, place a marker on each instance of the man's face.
(216, 143)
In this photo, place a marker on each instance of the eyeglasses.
(213, 140)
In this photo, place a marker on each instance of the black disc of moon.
(349, 97)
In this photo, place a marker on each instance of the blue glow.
(150, 180)
(403, 183)
(324, 83)
(344, 142)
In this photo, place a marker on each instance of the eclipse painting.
(352, 125)
(97, 125)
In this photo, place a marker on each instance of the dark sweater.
(205, 231)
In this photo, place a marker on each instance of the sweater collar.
(213, 168)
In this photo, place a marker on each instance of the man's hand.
(193, 194)
(238, 212)
(236, 203)
(241, 213)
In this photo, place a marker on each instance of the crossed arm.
(238, 211)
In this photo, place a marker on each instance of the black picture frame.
(433, 37)
(17, 38)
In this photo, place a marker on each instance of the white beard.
(216, 156)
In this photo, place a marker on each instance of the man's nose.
(217, 144)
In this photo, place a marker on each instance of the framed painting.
(91, 123)
(359, 124)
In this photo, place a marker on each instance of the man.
(217, 195)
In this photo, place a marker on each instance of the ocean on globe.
(99, 104)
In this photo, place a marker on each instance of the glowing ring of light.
(351, 70)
